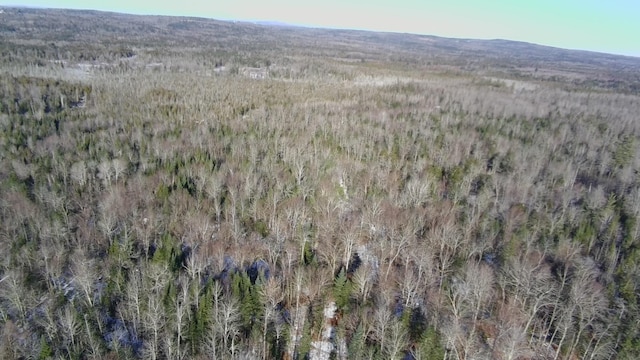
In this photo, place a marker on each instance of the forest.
(186, 188)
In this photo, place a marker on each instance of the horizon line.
(275, 22)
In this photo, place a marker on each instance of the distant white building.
(256, 73)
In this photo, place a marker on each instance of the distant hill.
(515, 58)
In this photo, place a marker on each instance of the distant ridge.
(273, 23)
(467, 54)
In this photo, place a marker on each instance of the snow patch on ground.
(321, 350)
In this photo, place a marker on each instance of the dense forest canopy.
(178, 188)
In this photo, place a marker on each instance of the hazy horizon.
(586, 25)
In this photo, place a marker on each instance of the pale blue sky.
(600, 25)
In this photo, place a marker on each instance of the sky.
(611, 26)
